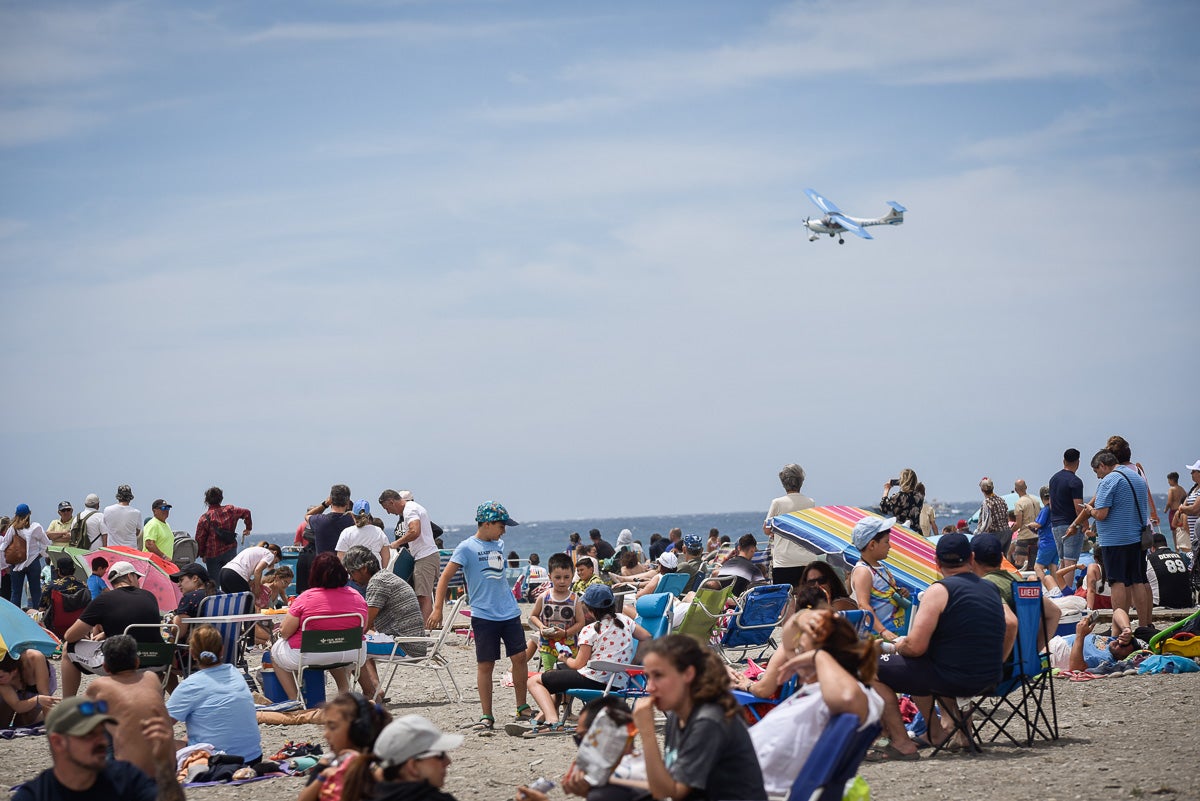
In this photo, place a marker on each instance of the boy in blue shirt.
(96, 581)
(495, 615)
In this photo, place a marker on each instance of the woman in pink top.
(328, 594)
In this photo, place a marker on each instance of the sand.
(1122, 737)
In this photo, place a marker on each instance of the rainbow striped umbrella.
(826, 529)
(18, 633)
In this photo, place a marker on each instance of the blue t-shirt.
(216, 706)
(1095, 649)
(1045, 532)
(1065, 488)
(96, 585)
(483, 566)
(1122, 526)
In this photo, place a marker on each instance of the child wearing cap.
(611, 638)
(872, 583)
(495, 615)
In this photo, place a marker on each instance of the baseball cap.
(92, 501)
(159, 503)
(22, 510)
(121, 569)
(986, 547)
(961, 525)
(410, 736)
(668, 560)
(693, 543)
(194, 569)
(598, 596)
(77, 716)
(64, 506)
(362, 507)
(869, 528)
(493, 512)
(954, 549)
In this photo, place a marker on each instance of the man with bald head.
(1024, 546)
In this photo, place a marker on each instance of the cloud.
(407, 31)
(28, 126)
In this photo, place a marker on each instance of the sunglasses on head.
(89, 708)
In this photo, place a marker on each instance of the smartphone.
(895, 482)
(1093, 616)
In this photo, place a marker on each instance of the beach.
(1127, 737)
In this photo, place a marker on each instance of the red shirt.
(226, 517)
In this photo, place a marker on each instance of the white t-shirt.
(370, 537)
(96, 529)
(784, 738)
(784, 552)
(124, 524)
(423, 545)
(610, 644)
(246, 562)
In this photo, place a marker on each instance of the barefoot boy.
(132, 698)
(495, 616)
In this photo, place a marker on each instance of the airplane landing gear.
(812, 238)
(841, 241)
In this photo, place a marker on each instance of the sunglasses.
(819, 580)
(89, 708)
(438, 755)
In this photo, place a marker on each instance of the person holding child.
(495, 615)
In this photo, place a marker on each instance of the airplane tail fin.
(896, 215)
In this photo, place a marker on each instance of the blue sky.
(553, 254)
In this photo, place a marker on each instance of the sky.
(553, 254)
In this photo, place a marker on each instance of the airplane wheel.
(841, 241)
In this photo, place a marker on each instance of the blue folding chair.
(834, 760)
(673, 584)
(758, 612)
(654, 615)
(235, 637)
(755, 707)
(862, 620)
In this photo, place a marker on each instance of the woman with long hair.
(706, 741)
(352, 725)
(905, 504)
(23, 545)
(214, 702)
(835, 669)
(824, 577)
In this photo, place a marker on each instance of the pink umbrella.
(155, 571)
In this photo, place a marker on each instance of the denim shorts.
(1068, 547)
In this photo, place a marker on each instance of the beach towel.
(1160, 663)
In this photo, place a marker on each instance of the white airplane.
(835, 222)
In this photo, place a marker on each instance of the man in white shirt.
(124, 522)
(415, 532)
(787, 558)
(93, 521)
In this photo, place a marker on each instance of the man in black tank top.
(956, 645)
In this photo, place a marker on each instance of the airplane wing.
(850, 225)
(821, 203)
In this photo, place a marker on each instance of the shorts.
(283, 655)
(1068, 547)
(426, 572)
(557, 681)
(917, 675)
(1124, 564)
(87, 656)
(232, 581)
(1047, 555)
(490, 633)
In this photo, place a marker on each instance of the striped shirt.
(1123, 525)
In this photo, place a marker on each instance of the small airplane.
(835, 222)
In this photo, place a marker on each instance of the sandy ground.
(1121, 738)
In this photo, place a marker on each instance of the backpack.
(79, 537)
(17, 550)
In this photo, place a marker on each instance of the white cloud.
(407, 31)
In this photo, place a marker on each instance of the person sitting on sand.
(408, 763)
(132, 697)
(214, 702)
(26, 684)
(835, 669)
(352, 725)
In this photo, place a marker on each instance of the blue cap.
(362, 507)
(953, 549)
(986, 547)
(598, 596)
(493, 512)
(22, 510)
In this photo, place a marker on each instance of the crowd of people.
(951, 644)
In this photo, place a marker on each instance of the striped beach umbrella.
(18, 633)
(826, 530)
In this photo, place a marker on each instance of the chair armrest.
(614, 667)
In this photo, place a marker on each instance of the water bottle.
(542, 785)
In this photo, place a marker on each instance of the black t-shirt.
(121, 607)
(746, 574)
(1065, 487)
(604, 550)
(713, 755)
(327, 528)
(189, 604)
(1174, 581)
(657, 547)
(120, 781)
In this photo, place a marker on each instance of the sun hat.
(493, 512)
(953, 549)
(598, 596)
(668, 560)
(868, 529)
(124, 493)
(121, 569)
(77, 715)
(1192, 467)
(411, 736)
(693, 543)
(362, 507)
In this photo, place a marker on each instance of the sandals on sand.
(486, 724)
(889, 753)
(544, 730)
(525, 712)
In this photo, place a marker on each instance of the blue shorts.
(1068, 547)
(1124, 564)
(490, 633)
(1047, 555)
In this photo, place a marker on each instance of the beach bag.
(17, 550)
(1147, 531)
(79, 537)
(1167, 664)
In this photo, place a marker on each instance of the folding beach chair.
(433, 658)
(158, 654)
(654, 615)
(235, 637)
(759, 611)
(704, 614)
(314, 642)
(834, 760)
(673, 583)
(1027, 676)
(862, 620)
(756, 708)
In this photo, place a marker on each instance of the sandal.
(545, 729)
(889, 753)
(486, 723)
(524, 712)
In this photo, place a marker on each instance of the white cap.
(668, 560)
(410, 736)
(92, 501)
(121, 569)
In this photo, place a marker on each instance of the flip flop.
(889, 753)
(1083, 675)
